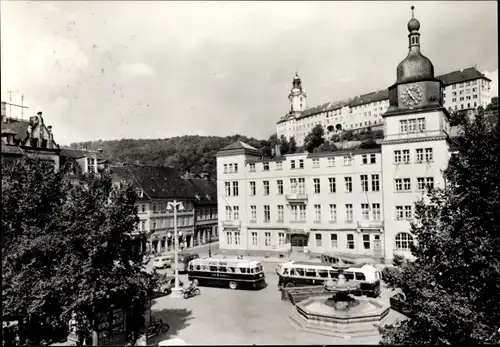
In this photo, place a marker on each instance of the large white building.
(463, 90)
(354, 201)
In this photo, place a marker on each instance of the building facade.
(357, 201)
(155, 188)
(463, 90)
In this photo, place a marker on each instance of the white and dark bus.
(234, 273)
(301, 273)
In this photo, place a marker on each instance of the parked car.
(168, 283)
(162, 262)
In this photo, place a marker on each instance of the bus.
(302, 273)
(234, 273)
(334, 258)
(183, 260)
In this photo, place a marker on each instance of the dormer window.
(34, 142)
(140, 193)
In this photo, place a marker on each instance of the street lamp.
(174, 205)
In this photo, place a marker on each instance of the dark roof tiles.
(461, 76)
(157, 182)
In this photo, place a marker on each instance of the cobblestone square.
(224, 316)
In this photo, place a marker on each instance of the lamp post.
(176, 291)
(209, 244)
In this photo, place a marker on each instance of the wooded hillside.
(193, 154)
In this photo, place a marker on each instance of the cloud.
(493, 76)
(135, 70)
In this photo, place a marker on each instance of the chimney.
(277, 150)
(49, 128)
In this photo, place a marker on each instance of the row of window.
(421, 155)
(404, 184)
(299, 163)
(205, 214)
(298, 213)
(298, 186)
(231, 168)
(162, 207)
(403, 240)
(462, 106)
(408, 126)
(166, 223)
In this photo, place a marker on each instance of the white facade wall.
(434, 138)
(381, 231)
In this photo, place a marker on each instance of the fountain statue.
(341, 289)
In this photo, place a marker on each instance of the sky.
(139, 69)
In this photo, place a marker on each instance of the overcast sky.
(111, 70)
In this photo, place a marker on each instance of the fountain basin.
(316, 316)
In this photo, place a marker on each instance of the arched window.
(403, 241)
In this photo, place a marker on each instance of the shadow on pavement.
(177, 319)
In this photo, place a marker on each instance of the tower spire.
(413, 27)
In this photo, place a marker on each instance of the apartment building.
(463, 90)
(155, 188)
(357, 201)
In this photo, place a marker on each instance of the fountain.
(340, 314)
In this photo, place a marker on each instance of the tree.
(458, 117)
(67, 248)
(453, 286)
(315, 138)
(293, 145)
(493, 106)
(284, 145)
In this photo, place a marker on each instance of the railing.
(231, 223)
(296, 196)
(295, 295)
(370, 224)
(400, 306)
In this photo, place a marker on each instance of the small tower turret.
(297, 95)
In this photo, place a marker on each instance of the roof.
(10, 149)
(81, 153)
(203, 191)
(369, 98)
(238, 145)
(19, 127)
(157, 182)
(6, 130)
(461, 76)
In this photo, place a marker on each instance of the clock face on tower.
(411, 95)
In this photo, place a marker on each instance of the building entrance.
(298, 241)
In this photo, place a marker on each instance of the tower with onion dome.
(415, 144)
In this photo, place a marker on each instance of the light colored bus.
(183, 260)
(301, 273)
(234, 273)
(347, 258)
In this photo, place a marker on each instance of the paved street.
(223, 316)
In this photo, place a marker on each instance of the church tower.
(415, 148)
(297, 96)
